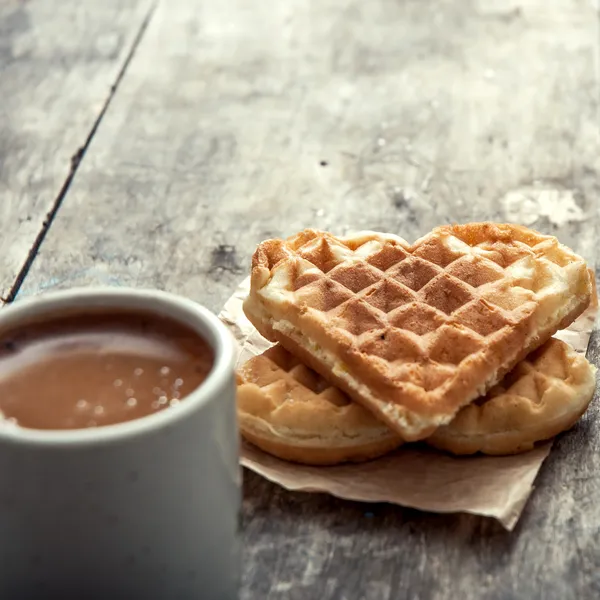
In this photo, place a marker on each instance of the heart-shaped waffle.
(415, 332)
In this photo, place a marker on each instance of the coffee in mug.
(97, 369)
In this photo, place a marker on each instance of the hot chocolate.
(97, 369)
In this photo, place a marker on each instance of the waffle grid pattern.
(282, 378)
(547, 366)
(436, 302)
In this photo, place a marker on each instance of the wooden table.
(155, 144)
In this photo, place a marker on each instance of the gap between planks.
(75, 162)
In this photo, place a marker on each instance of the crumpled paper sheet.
(415, 475)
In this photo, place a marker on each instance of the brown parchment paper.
(415, 475)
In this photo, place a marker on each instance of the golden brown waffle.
(288, 410)
(415, 332)
(542, 396)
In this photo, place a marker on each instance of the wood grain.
(237, 121)
(58, 61)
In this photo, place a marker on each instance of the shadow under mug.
(146, 509)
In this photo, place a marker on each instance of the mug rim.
(161, 303)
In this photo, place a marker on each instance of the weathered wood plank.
(58, 61)
(238, 121)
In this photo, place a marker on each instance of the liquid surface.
(92, 370)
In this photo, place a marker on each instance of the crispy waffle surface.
(542, 396)
(415, 332)
(288, 410)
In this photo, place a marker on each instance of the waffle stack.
(407, 339)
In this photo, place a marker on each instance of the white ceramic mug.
(147, 509)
